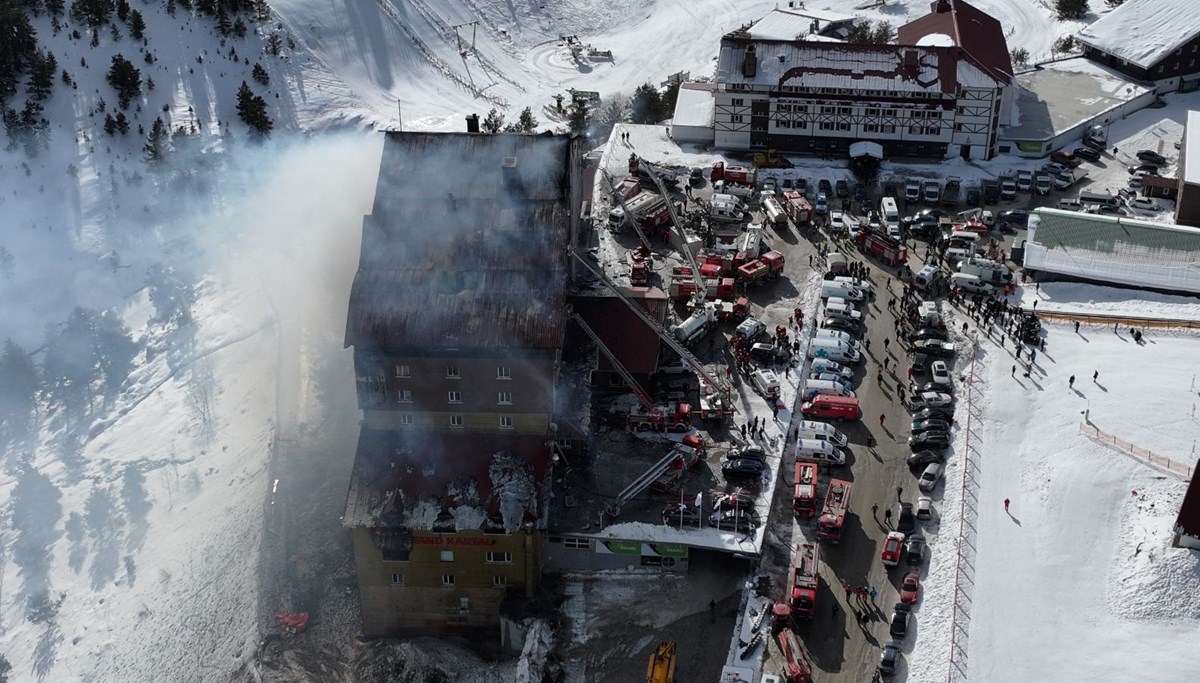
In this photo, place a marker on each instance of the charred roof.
(466, 243)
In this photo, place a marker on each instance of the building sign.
(665, 549)
(1030, 147)
(619, 547)
(452, 540)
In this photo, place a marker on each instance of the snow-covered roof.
(1144, 32)
(1191, 149)
(828, 65)
(694, 106)
(795, 23)
(936, 39)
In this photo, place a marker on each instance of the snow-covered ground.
(1073, 297)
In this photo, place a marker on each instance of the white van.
(838, 302)
(841, 291)
(842, 309)
(969, 236)
(730, 199)
(817, 387)
(925, 276)
(986, 270)
(815, 450)
(953, 256)
(889, 211)
(750, 329)
(725, 211)
(970, 283)
(824, 333)
(833, 350)
(852, 281)
(766, 382)
(837, 263)
(821, 431)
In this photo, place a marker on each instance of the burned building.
(457, 317)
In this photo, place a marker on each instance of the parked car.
(860, 193)
(824, 186)
(743, 468)
(1152, 157)
(842, 189)
(906, 521)
(929, 399)
(934, 412)
(837, 222)
(893, 545)
(1054, 169)
(734, 520)
(924, 507)
(696, 177)
(910, 588)
(914, 549)
(918, 388)
(899, 623)
(889, 658)
(924, 458)
(1015, 217)
(1065, 158)
(928, 440)
(928, 333)
(1143, 204)
(930, 477)
(940, 372)
(1086, 153)
(934, 347)
(768, 353)
(679, 514)
(841, 324)
(920, 363)
(752, 452)
(1143, 169)
(931, 425)
(1134, 182)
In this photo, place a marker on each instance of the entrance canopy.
(866, 149)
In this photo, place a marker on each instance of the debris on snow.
(513, 487)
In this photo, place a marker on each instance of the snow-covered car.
(928, 399)
(924, 458)
(752, 452)
(910, 588)
(1143, 204)
(1134, 182)
(1054, 169)
(924, 507)
(940, 373)
(893, 231)
(893, 545)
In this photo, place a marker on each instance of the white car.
(823, 365)
(1135, 182)
(837, 222)
(940, 373)
(932, 399)
(924, 507)
(831, 377)
(893, 231)
(1143, 204)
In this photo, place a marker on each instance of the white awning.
(866, 149)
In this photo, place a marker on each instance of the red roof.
(1188, 521)
(622, 331)
(976, 33)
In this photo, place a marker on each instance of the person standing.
(1006, 502)
(887, 516)
(882, 416)
(899, 493)
(1096, 376)
(1071, 382)
(712, 611)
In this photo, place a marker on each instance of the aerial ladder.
(612, 186)
(701, 285)
(717, 403)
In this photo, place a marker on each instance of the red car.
(892, 547)
(910, 588)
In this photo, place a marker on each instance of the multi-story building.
(457, 317)
(943, 90)
(1157, 41)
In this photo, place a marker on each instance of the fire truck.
(796, 668)
(797, 207)
(683, 286)
(804, 497)
(732, 174)
(804, 580)
(765, 268)
(733, 311)
(892, 252)
(833, 515)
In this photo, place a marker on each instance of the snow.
(936, 40)
(794, 23)
(513, 487)
(1144, 32)
(833, 67)
(1073, 297)
(1191, 148)
(693, 107)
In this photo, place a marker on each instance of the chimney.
(749, 62)
(472, 123)
(815, 27)
(940, 6)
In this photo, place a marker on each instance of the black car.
(751, 452)
(934, 413)
(920, 363)
(926, 333)
(842, 324)
(1086, 153)
(734, 520)
(930, 425)
(914, 549)
(928, 440)
(934, 347)
(842, 189)
(824, 187)
(1147, 168)
(1152, 157)
(860, 193)
(1095, 143)
(743, 468)
(678, 514)
(696, 177)
(918, 388)
(906, 521)
(1015, 217)
(923, 458)
(899, 627)
(889, 658)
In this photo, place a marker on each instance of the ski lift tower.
(474, 27)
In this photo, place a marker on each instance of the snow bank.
(1088, 299)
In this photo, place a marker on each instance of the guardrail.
(965, 548)
(1094, 432)
(1125, 320)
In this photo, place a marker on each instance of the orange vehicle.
(833, 516)
(832, 407)
(804, 496)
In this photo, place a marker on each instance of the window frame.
(506, 422)
(454, 396)
(504, 398)
(453, 372)
(448, 581)
(456, 421)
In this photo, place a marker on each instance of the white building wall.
(731, 117)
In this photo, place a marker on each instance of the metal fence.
(1096, 434)
(964, 565)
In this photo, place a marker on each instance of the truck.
(833, 515)
(912, 191)
(774, 212)
(696, 324)
(1008, 189)
(683, 286)
(732, 174)
(804, 493)
(890, 251)
(732, 311)
(950, 195)
(628, 188)
(991, 191)
(1025, 181)
(797, 207)
(765, 268)
(804, 580)
(795, 666)
(641, 206)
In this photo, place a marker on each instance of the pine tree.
(122, 9)
(18, 384)
(155, 147)
(42, 70)
(54, 7)
(252, 110)
(126, 79)
(18, 45)
(92, 12)
(493, 122)
(579, 117)
(274, 44)
(224, 25)
(239, 28)
(122, 123)
(110, 124)
(646, 105)
(526, 123)
(260, 75)
(137, 25)
(1071, 9)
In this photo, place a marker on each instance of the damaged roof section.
(466, 243)
(445, 482)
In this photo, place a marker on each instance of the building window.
(933, 115)
(504, 398)
(446, 555)
(577, 543)
(828, 110)
(403, 371)
(499, 558)
(506, 422)
(844, 110)
(870, 128)
(843, 126)
(889, 112)
(453, 397)
(736, 118)
(737, 102)
(872, 112)
(406, 419)
(405, 396)
(499, 581)
(826, 126)
(456, 420)
(397, 579)
(448, 580)
(452, 372)
(914, 130)
(889, 128)
(503, 372)
(931, 130)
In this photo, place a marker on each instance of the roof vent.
(472, 123)
(782, 58)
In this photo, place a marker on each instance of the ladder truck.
(629, 215)
(683, 245)
(716, 400)
(833, 516)
(804, 495)
(805, 580)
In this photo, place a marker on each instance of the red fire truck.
(833, 516)
(796, 668)
(804, 497)
(765, 268)
(797, 207)
(683, 286)
(892, 252)
(804, 580)
(732, 174)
